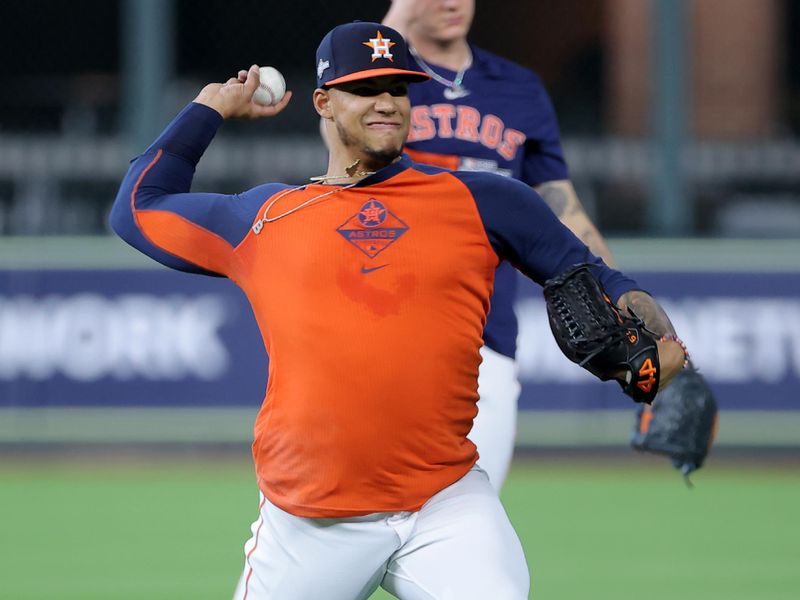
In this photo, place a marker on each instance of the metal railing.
(51, 184)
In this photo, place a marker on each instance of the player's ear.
(322, 103)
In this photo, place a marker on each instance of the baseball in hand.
(271, 86)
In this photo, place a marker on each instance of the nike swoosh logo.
(370, 270)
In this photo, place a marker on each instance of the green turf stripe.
(228, 425)
(156, 528)
(608, 428)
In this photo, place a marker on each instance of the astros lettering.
(464, 123)
(364, 234)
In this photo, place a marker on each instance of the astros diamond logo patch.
(373, 228)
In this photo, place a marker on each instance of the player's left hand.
(594, 333)
(234, 98)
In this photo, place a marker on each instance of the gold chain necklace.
(350, 171)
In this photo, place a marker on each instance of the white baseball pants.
(495, 427)
(459, 546)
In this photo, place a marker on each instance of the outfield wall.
(97, 344)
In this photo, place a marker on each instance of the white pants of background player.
(459, 546)
(495, 426)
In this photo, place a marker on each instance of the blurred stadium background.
(127, 392)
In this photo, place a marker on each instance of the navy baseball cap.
(360, 50)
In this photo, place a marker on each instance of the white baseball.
(271, 87)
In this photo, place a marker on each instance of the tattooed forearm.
(648, 310)
(592, 238)
(560, 196)
(558, 199)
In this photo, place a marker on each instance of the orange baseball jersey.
(371, 301)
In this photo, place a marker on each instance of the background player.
(483, 112)
(372, 308)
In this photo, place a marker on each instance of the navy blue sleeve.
(523, 230)
(160, 179)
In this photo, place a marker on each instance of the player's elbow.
(131, 196)
(120, 218)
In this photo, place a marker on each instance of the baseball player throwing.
(371, 289)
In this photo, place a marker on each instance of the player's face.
(442, 20)
(372, 117)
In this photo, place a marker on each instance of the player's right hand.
(234, 98)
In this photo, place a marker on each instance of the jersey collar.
(386, 172)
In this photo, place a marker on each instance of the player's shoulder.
(249, 202)
(424, 168)
(264, 191)
(503, 202)
(503, 68)
(480, 182)
(484, 184)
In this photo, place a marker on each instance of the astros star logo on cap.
(380, 47)
(341, 56)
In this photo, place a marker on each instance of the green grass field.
(155, 528)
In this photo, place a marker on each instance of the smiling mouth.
(384, 127)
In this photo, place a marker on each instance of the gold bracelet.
(674, 338)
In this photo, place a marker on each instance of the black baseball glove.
(592, 332)
(681, 423)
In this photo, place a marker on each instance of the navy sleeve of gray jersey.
(524, 231)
